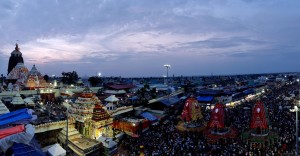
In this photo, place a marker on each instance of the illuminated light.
(133, 124)
(99, 74)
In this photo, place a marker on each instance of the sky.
(136, 38)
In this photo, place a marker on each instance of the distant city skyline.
(136, 38)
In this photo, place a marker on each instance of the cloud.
(107, 33)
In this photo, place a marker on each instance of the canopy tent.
(16, 116)
(111, 98)
(57, 150)
(133, 98)
(29, 101)
(23, 137)
(170, 100)
(205, 98)
(248, 91)
(11, 130)
(115, 91)
(23, 149)
(149, 116)
(183, 98)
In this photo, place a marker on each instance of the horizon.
(136, 38)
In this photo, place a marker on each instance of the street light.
(296, 109)
(67, 129)
(167, 66)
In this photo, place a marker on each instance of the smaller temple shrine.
(217, 130)
(18, 74)
(17, 102)
(35, 79)
(259, 135)
(101, 122)
(89, 116)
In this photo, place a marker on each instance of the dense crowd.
(165, 139)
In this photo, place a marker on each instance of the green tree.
(95, 80)
(46, 78)
(69, 77)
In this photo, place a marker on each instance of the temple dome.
(34, 71)
(15, 58)
(16, 52)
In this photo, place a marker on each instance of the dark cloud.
(84, 35)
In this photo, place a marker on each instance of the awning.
(133, 98)
(170, 100)
(205, 98)
(248, 91)
(56, 150)
(183, 98)
(23, 137)
(21, 149)
(11, 130)
(111, 98)
(15, 116)
(149, 116)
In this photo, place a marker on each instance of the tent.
(23, 137)
(57, 150)
(111, 98)
(205, 98)
(149, 116)
(248, 91)
(170, 100)
(20, 149)
(133, 98)
(11, 130)
(183, 98)
(16, 116)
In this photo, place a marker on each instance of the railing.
(50, 126)
(121, 110)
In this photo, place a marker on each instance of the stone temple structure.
(35, 79)
(19, 74)
(15, 58)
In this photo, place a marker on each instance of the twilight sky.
(134, 38)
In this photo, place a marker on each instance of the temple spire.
(17, 47)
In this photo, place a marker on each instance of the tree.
(69, 77)
(95, 80)
(46, 78)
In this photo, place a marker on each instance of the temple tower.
(15, 58)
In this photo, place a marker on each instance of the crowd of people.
(166, 139)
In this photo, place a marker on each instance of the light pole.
(167, 67)
(296, 110)
(67, 129)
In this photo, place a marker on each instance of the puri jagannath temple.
(15, 58)
(19, 74)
